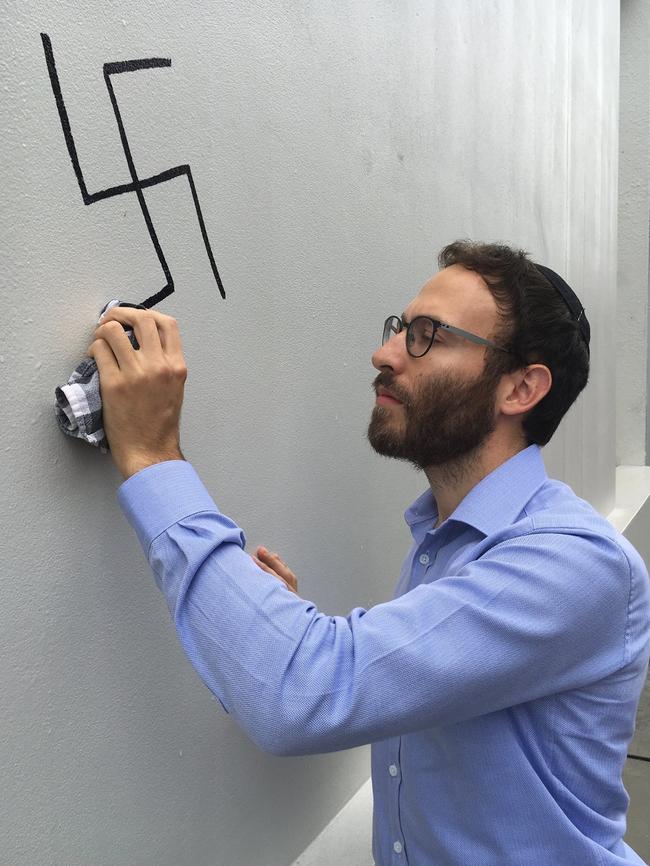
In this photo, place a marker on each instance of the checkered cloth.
(78, 404)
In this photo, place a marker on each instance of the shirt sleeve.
(535, 615)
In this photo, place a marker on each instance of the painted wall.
(335, 148)
(632, 431)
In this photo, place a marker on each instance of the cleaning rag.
(78, 404)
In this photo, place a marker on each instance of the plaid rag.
(78, 404)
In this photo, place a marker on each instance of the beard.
(443, 421)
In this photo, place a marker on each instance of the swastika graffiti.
(138, 184)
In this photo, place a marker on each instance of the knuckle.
(163, 318)
(170, 373)
(110, 386)
(106, 327)
(159, 374)
(117, 386)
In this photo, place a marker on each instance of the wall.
(632, 429)
(335, 148)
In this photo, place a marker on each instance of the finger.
(272, 558)
(104, 358)
(268, 569)
(285, 582)
(263, 565)
(114, 336)
(146, 333)
(276, 575)
(263, 551)
(278, 564)
(166, 326)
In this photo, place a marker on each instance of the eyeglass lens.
(419, 335)
(392, 325)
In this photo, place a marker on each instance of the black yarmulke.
(571, 300)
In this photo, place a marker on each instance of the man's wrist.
(137, 462)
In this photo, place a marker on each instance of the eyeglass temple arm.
(480, 340)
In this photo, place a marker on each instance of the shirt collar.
(495, 501)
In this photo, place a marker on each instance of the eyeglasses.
(421, 331)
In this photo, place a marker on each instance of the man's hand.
(272, 563)
(141, 391)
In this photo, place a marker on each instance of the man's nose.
(392, 354)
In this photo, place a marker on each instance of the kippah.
(570, 299)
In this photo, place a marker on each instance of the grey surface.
(335, 148)
(633, 431)
(640, 744)
(347, 838)
(636, 778)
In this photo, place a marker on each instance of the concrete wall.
(335, 148)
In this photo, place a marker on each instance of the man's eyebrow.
(448, 335)
(428, 315)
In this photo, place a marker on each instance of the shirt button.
(424, 559)
(392, 770)
(397, 847)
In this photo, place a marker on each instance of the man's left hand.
(141, 390)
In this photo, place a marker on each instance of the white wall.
(335, 148)
(632, 358)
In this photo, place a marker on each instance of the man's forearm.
(133, 463)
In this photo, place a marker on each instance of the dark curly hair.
(534, 322)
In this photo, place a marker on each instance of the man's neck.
(451, 482)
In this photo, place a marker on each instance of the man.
(499, 687)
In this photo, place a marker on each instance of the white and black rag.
(78, 405)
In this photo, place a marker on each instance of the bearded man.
(499, 687)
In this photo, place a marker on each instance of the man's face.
(447, 406)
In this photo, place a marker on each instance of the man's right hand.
(272, 563)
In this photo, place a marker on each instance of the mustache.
(387, 380)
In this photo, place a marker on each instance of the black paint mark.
(138, 184)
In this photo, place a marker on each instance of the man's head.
(462, 393)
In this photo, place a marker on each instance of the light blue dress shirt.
(499, 687)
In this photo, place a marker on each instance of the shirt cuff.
(160, 495)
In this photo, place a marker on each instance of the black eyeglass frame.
(435, 323)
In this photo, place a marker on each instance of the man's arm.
(535, 615)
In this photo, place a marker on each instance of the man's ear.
(522, 389)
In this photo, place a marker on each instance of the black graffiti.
(138, 185)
